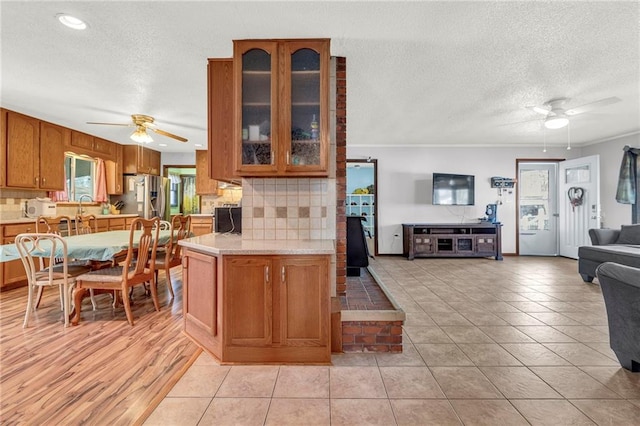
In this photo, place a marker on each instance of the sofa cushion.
(625, 254)
(629, 234)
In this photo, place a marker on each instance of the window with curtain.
(80, 173)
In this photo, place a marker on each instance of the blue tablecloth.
(100, 246)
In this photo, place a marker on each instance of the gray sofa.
(620, 286)
(609, 245)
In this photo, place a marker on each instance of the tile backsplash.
(288, 209)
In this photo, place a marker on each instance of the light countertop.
(216, 244)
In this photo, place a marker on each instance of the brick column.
(341, 175)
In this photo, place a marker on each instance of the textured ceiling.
(418, 73)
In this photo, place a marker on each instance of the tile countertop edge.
(220, 244)
(33, 219)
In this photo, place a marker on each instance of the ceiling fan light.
(71, 21)
(140, 135)
(540, 110)
(556, 122)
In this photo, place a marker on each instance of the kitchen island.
(258, 301)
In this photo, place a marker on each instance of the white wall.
(179, 158)
(404, 186)
(614, 214)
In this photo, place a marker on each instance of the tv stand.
(482, 239)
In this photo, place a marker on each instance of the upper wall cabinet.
(32, 153)
(82, 143)
(220, 120)
(281, 96)
(139, 159)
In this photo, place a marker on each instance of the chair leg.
(169, 285)
(93, 299)
(127, 305)
(27, 314)
(38, 298)
(78, 294)
(65, 302)
(154, 294)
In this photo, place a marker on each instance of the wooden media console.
(452, 240)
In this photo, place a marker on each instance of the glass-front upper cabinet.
(283, 112)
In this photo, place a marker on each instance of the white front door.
(579, 200)
(537, 201)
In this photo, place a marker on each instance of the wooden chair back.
(180, 229)
(86, 224)
(59, 225)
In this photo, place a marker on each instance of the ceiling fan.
(142, 123)
(557, 117)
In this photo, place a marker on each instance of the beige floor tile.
(451, 318)
(236, 412)
(478, 412)
(443, 354)
(205, 359)
(418, 318)
(518, 382)
(571, 382)
(635, 402)
(544, 333)
(432, 308)
(410, 382)
(588, 318)
(297, 412)
(178, 412)
(413, 412)
(603, 412)
(351, 412)
(554, 318)
(621, 381)
(408, 357)
(249, 382)
(425, 334)
(484, 318)
(519, 318)
(561, 306)
(528, 306)
(534, 354)
(579, 354)
(464, 382)
(302, 382)
(356, 382)
(463, 334)
(505, 334)
(539, 297)
(583, 333)
(488, 354)
(200, 380)
(354, 359)
(551, 412)
(603, 348)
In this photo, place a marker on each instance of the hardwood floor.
(102, 371)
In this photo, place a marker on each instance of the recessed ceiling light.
(162, 144)
(198, 145)
(71, 21)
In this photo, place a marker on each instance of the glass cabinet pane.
(256, 107)
(305, 107)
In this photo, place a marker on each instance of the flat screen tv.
(453, 190)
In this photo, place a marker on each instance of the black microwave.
(228, 220)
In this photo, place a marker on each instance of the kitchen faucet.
(80, 211)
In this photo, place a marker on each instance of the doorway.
(362, 197)
(182, 199)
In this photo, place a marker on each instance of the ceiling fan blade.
(541, 119)
(540, 109)
(171, 135)
(593, 105)
(111, 124)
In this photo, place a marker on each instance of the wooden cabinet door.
(220, 117)
(204, 185)
(53, 140)
(114, 172)
(22, 151)
(81, 140)
(104, 149)
(201, 301)
(201, 225)
(153, 161)
(13, 271)
(248, 300)
(303, 303)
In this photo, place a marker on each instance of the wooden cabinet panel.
(53, 139)
(22, 151)
(13, 272)
(220, 117)
(114, 173)
(81, 140)
(104, 147)
(248, 300)
(201, 302)
(204, 185)
(138, 159)
(103, 224)
(117, 224)
(201, 225)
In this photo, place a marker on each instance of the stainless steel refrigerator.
(144, 195)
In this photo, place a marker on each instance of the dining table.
(101, 246)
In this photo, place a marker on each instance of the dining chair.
(180, 229)
(165, 225)
(137, 268)
(60, 225)
(53, 248)
(84, 224)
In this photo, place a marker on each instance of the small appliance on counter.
(41, 207)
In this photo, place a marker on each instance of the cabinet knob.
(282, 275)
(266, 274)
